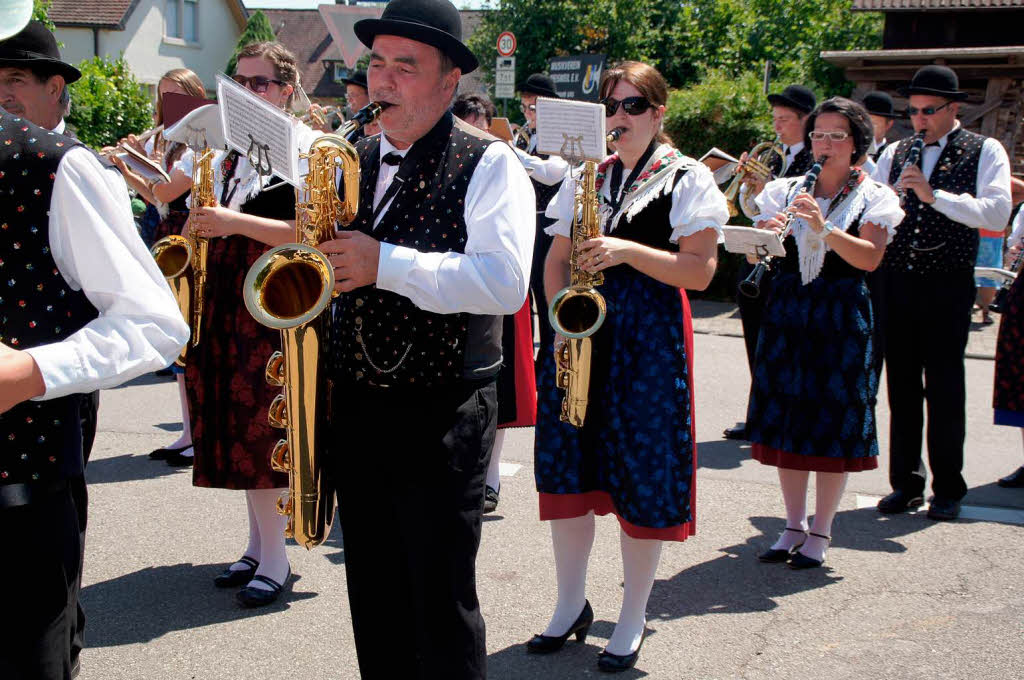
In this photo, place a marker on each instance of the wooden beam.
(997, 87)
(965, 72)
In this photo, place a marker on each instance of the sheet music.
(249, 122)
(571, 129)
(752, 241)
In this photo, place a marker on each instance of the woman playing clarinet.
(813, 393)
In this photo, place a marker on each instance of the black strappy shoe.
(229, 578)
(777, 555)
(546, 644)
(258, 597)
(616, 663)
(802, 561)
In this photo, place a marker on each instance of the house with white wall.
(155, 36)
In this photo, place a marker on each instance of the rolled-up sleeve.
(990, 207)
(97, 249)
(493, 274)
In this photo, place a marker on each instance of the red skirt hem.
(526, 381)
(567, 506)
(791, 461)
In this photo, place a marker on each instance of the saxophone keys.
(275, 370)
(280, 458)
(277, 416)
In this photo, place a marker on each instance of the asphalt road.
(901, 597)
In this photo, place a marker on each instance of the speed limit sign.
(507, 44)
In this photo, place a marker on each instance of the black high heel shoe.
(802, 561)
(546, 644)
(229, 578)
(776, 555)
(616, 663)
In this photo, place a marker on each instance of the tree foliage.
(107, 103)
(257, 29)
(40, 12)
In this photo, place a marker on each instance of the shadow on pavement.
(129, 467)
(148, 379)
(722, 454)
(995, 495)
(146, 604)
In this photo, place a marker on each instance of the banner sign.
(577, 77)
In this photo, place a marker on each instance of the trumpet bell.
(577, 312)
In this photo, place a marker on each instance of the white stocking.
(252, 549)
(186, 423)
(571, 540)
(494, 469)
(794, 496)
(271, 525)
(639, 564)
(828, 489)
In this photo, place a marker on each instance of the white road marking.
(983, 513)
(508, 469)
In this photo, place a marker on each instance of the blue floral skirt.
(812, 401)
(635, 455)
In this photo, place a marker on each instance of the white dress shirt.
(788, 154)
(550, 171)
(697, 204)
(493, 274)
(990, 206)
(97, 249)
(1017, 230)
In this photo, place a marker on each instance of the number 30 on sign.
(506, 44)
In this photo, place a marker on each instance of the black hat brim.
(894, 114)
(539, 91)
(954, 96)
(781, 100)
(368, 29)
(353, 81)
(31, 61)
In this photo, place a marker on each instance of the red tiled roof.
(933, 5)
(101, 13)
(303, 32)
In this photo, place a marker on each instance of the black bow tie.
(391, 158)
(932, 144)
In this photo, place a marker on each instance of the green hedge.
(108, 103)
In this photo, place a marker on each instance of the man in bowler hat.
(961, 185)
(439, 250)
(357, 96)
(883, 116)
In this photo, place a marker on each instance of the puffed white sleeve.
(560, 208)
(773, 199)
(697, 204)
(883, 209)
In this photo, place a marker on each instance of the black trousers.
(39, 570)
(79, 492)
(751, 310)
(927, 319)
(876, 287)
(541, 245)
(409, 468)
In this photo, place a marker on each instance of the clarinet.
(751, 286)
(913, 158)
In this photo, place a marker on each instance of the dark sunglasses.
(257, 84)
(928, 110)
(634, 106)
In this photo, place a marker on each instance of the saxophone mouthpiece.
(614, 135)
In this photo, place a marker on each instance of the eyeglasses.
(634, 106)
(832, 136)
(257, 84)
(927, 111)
(527, 107)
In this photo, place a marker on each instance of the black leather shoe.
(546, 644)
(943, 509)
(1014, 480)
(899, 501)
(802, 561)
(738, 432)
(178, 460)
(613, 663)
(163, 453)
(776, 555)
(258, 597)
(490, 499)
(229, 578)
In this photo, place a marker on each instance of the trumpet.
(751, 286)
(758, 164)
(318, 116)
(521, 138)
(913, 158)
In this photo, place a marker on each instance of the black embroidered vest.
(40, 441)
(927, 241)
(802, 162)
(382, 338)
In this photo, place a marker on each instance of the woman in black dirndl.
(1008, 395)
(812, 403)
(635, 456)
(225, 371)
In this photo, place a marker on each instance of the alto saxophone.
(577, 311)
(182, 259)
(288, 288)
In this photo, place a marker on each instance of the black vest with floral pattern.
(40, 441)
(927, 241)
(381, 338)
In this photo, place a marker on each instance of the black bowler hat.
(356, 78)
(539, 84)
(880, 104)
(795, 97)
(35, 48)
(938, 81)
(434, 22)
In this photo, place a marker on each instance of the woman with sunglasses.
(225, 371)
(812, 401)
(635, 455)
